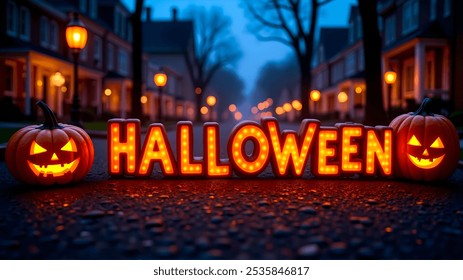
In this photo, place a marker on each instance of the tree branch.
(261, 19)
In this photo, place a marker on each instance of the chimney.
(174, 14)
(148, 14)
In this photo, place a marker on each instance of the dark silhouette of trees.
(276, 77)
(215, 47)
(137, 60)
(374, 110)
(291, 22)
(228, 87)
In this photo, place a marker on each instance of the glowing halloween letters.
(343, 150)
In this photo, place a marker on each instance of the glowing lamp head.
(198, 90)
(279, 110)
(315, 95)
(211, 100)
(57, 79)
(76, 33)
(358, 90)
(342, 97)
(143, 99)
(204, 110)
(160, 79)
(238, 116)
(390, 77)
(107, 92)
(232, 108)
(287, 107)
(297, 105)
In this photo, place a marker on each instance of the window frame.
(53, 35)
(11, 16)
(27, 23)
(44, 31)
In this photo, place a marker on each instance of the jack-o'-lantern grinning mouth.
(425, 163)
(54, 170)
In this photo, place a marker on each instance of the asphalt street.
(265, 218)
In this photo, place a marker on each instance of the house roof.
(167, 36)
(333, 40)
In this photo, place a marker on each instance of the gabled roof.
(167, 36)
(333, 40)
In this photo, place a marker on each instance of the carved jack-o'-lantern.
(51, 153)
(427, 146)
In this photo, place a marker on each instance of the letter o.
(244, 164)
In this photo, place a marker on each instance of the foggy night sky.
(255, 53)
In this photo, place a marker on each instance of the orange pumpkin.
(52, 153)
(427, 145)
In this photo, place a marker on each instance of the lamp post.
(76, 38)
(315, 96)
(160, 79)
(108, 93)
(211, 100)
(198, 93)
(390, 78)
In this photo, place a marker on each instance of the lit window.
(24, 23)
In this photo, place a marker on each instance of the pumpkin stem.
(50, 118)
(424, 109)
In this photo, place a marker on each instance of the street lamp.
(389, 78)
(315, 96)
(211, 100)
(108, 93)
(160, 79)
(76, 38)
(342, 97)
(232, 108)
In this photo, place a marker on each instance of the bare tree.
(291, 22)
(266, 86)
(374, 110)
(215, 47)
(137, 60)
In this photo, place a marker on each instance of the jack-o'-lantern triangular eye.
(70, 146)
(37, 149)
(437, 143)
(414, 142)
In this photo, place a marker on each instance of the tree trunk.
(306, 77)
(198, 103)
(137, 61)
(374, 109)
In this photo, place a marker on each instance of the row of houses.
(422, 42)
(34, 52)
